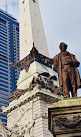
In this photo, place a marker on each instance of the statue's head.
(63, 47)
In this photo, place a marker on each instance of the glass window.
(2, 21)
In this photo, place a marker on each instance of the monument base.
(29, 114)
(65, 118)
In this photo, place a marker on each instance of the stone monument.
(37, 86)
(31, 34)
(31, 28)
(28, 108)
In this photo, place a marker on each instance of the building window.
(2, 21)
(17, 29)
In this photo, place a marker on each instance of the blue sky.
(62, 23)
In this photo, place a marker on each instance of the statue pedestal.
(33, 65)
(65, 118)
(35, 69)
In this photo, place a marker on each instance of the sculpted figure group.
(65, 64)
(17, 131)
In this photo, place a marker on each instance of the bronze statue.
(65, 64)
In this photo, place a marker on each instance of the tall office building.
(9, 52)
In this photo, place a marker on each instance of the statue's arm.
(75, 62)
(55, 63)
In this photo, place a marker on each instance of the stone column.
(31, 28)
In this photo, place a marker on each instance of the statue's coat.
(57, 66)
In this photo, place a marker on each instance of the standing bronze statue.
(65, 64)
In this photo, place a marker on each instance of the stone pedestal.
(37, 88)
(33, 65)
(65, 118)
(35, 69)
(31, 109)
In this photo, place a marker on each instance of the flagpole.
(6, 6)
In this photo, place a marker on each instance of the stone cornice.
(30, 95)
(42, 81)
(33, 56)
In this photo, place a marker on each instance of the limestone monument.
(31, 28)
(31, 34)
(28, 108)
(37, 86)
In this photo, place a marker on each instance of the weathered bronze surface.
(43, 80)
(65, 64)
(33, 56)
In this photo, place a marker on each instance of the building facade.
(9, 53)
